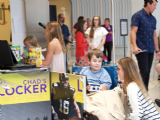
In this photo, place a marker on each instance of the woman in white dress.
(55, 48)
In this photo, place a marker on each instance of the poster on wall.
(124, 27)
(25, 96)
(67, 95)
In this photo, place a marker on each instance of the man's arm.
(156, 45)
(110, 32)
(76, 108)
(69, 38)
(133, 39)
(68, 34)
(102, 42)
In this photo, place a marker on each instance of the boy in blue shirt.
(95, 73)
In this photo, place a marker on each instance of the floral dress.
(83, 60)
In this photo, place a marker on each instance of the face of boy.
(95, 63)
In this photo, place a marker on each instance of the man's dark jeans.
(145, 63)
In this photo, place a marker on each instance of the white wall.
(17, 10)
(157, 15)
(103, 8)
(37, 11)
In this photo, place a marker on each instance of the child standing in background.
(31, 41)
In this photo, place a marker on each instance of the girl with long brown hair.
(138, 99)
(81, 44)
(56, 48)
(96, 34)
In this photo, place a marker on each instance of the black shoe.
(157, 102)
(89, 116)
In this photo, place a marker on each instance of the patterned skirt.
(82, 61)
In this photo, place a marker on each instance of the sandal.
(157, 101)
(159, 77)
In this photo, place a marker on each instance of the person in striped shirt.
(141, 106)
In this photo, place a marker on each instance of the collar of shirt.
(97, 28)
(61, 25)
(97, 72)
(145, 13)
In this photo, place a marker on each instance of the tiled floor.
(154, 90)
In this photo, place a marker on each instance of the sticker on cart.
(94, 87)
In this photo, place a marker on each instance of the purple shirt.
(75, 26)
(146, 26)
(108, 36)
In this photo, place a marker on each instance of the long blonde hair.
(131, 74)
(32, 40)
(56, 33)
(99, 25)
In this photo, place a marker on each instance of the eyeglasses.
(95, 19)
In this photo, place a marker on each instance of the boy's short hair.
(98, 53)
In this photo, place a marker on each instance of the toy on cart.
(33, 55)
(17, 52)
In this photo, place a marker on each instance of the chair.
(112, 71)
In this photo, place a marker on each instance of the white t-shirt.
(98, 35)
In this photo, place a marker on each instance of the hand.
(128, 119)
(74, 73)
(22, 55)
(90, 46)
(136, 50)
(110, 32)
(121, 81)
(52, 108)
(158, 56)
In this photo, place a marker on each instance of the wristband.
(76, 107)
